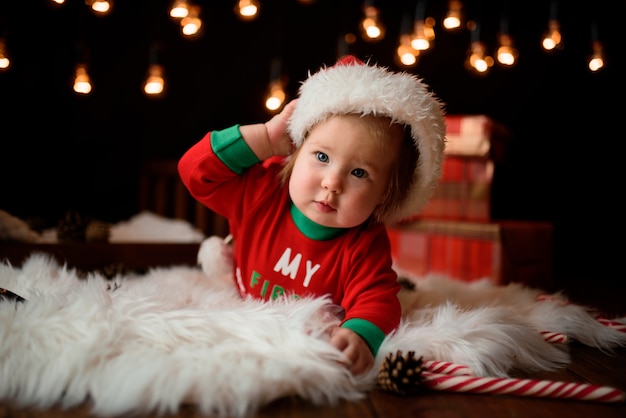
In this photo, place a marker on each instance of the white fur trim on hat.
(352, 86)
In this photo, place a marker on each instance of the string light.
(191, 24)
(453, 18)
(100, 7)
(406, 55)
(506, 53)
(179, 9)
(276, 95)
(552, 37)
(596, 61)
(82, 82)
(477, 58)
(372, 27)
(247, 9)
(5, 62)
(419, 39)
(154, 86)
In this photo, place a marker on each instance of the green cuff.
(229, 146)
(372, 335)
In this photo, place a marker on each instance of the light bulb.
(405, 53)
(5, 62)
(100, 7)
(552, 37)
(478, 60)
(155, 84)
(372, 28)
(191, 24)
(506, 54)
(596, 61)
(82, 83)
(453, 17)
(276, 96)
(419, 40)
(247, 9)
(180, 9)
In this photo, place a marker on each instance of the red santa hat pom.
(352, 86)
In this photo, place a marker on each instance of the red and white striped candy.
(522, 387)
(612, 324)
(554, 337)
(444, 367)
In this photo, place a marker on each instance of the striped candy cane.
(444, 367)
(522, 387)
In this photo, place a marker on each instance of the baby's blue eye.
(358, 172)
(322, 157)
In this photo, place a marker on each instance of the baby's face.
(341, 172)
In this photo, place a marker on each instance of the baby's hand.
(355, 349)
(279, 139)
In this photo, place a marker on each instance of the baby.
(308, 193)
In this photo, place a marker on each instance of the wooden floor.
(588, 366)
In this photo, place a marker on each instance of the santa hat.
(351, 86)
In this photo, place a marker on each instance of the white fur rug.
(150, 343)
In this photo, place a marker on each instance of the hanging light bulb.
(276, 92)
(5, 62)
(371, 26)
(155, 83)
(276, 96)
(247, 9)
(552, 37)
(420, 40)
(179, 9)
(191, 24)
(477, 58)
(58, 1)
(506, 53)
(82, 83)
(406, 55)
(154, 86)
(100, 7)
(596, 61)
(454, 17)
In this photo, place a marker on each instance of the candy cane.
(522, 387)
(612, 324)
(444, 367)
(554, 337)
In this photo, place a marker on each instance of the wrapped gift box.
(503, 252)
(463, 193)
(474, 144)
(476, 136)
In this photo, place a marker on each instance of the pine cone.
(400, 374)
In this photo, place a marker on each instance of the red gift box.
(503, 252)
(476, 136)
(463, 192)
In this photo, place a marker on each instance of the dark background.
(61, 152)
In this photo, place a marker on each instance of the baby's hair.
(401, 177)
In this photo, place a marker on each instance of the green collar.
(311, 229)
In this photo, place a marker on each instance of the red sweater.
(278, 251)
